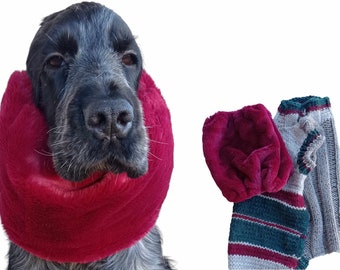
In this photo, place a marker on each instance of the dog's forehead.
(87, 19)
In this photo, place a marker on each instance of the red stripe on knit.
(267, 223)
(290, 198)
(261, 253)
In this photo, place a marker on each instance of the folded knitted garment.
(245, 153)
(322, 188)
(269, 231)
(63, 221)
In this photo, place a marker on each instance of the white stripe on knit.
(284, 203)
(251, 263)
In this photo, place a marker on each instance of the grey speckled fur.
(145, 255)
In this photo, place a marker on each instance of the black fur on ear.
(34, 56)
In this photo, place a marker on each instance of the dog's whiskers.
(62, 144)
(56, 129)
(100, 75)
(44, 153)
(58, 143)
(154, 141)
(155, 156)
(149, 127)
(72, 164)
(64, 164)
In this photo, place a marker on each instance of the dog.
(85, 66)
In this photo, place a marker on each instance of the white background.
(207, 56)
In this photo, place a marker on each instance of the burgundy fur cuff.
(63, 221)
(245, 153)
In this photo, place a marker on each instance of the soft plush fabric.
(63, 221)
(322, 187)
(245, 153)
(269, 231)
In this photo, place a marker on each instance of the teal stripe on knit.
(269, 210)
(303, 263)
(243, 231)
(304, 104)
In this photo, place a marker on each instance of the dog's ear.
(35, 61)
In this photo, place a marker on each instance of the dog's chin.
(116, 167)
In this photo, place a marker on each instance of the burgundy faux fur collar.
(58, 220)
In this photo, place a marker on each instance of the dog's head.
(85, 66)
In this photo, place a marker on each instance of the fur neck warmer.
(62, 221)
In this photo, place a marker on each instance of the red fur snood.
(59, 220)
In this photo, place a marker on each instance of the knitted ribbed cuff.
(303, 105)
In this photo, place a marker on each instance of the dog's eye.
(55, 61)
(129, 59)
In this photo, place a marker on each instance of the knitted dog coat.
(63, 221)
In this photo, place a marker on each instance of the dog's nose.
(109, 119)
